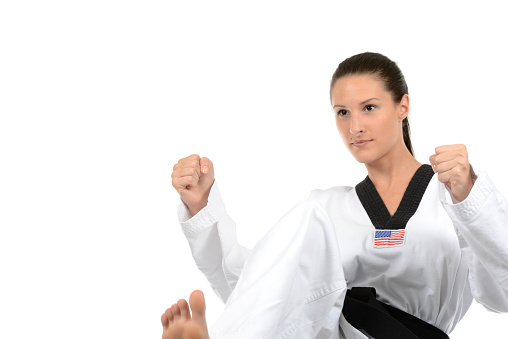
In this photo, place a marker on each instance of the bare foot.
(177, 322)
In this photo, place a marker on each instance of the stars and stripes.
(389, 238)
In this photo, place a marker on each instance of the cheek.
(343, 129)
(389, 130)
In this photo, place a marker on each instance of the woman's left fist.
(453, 168)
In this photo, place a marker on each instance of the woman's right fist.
(193, 178)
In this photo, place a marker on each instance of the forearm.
(211, 234)
(481, 222)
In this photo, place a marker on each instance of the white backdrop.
(99, 99)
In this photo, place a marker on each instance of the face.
(367, 118)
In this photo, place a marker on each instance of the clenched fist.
(452, 165)
(193, 178)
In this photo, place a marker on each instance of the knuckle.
(174, 183)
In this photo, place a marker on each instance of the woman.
(412, 244)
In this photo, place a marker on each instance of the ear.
(403, 107)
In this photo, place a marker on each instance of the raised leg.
(292, 285)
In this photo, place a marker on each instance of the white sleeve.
(211, 234)
(481, 223)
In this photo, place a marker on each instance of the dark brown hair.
(386, 71)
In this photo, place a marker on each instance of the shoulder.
(322, 196)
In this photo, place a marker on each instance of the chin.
(362, 157)
(363, 160)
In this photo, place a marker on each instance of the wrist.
(194, 209)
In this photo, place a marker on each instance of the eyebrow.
(361, 103)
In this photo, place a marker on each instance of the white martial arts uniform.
(293, 283)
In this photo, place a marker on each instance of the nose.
(355, 126)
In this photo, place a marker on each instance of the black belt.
(363, 311)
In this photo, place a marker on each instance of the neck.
(393, 168)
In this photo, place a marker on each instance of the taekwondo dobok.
(429, 259)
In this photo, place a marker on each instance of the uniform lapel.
(376, 208)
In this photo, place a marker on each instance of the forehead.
(353, 89)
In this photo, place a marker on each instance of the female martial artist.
(401, 255)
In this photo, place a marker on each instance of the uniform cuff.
(469, 208)
(205, 218)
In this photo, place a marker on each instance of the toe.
(170, 316)
(184, 309)
(176, 311)
(164, 321)
(197, 305)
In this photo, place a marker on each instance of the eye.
(369, 108)
(342, 112)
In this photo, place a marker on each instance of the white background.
(99, 99)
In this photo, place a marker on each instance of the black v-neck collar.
(376, 208)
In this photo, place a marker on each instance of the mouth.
(360, 143)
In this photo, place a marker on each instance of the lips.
(361, 143)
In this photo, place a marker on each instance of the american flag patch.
(391, 238)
